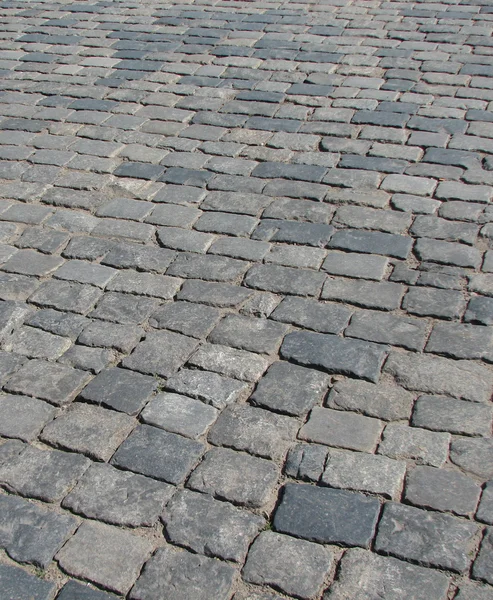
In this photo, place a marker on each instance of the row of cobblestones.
(246, 297)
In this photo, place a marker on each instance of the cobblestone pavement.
(246, 298)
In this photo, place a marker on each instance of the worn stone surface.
(17, 583)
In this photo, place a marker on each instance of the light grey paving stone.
(161, 353)
(111, 335)
(9, 449)
(482, 565)
(174, 215)
(56, 383)
(235, 202)
(126, 309)
(364, 473)
(74, 590)
(209, 267)
(294, 566)
(23, 417)
(188, 318)
(290, 389)
(66, 296)
(207, 526)
(443, 490)
(179, 414)
(118, 497)
(124, 208)
(242, 248)
(89, 430)
(214, 294)
(120, 389)
(342, 429)
(16, 287)
(447, 253)
(384, 295)
(67, 325)
(387, 402)
(285, 280)
(30, 533)
(211, 388)
(440, 413)
(473, 455)
(461, 341)
(9, 363)
(485, 510)
(261, 304)
(180, 575)
(17, 583)
(366, 575)
(158, 454)
(309, 314)
(296, 256)
(352, 264)
(87, 359)
(12, 314)
(257, 431)
(250, 595)
(44, 474)
(246, 333)
(29, 262)
(474, 591)
(185, 240)
(85, 272)
(236, 477)
(36, 343)
(334, 354)
(432, 302)
(106, 555)
(424, 447)
(431, 538)
(436, 375)
(326, 515)
(145, 284)
(231, 362)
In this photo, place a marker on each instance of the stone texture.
(17, 583)
(23, 417)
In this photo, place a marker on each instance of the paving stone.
(369, 575)
(29, 262)
(64, 295)
(326, 515)
(351, 264)
(236, 477)
(280, 561)
(461, 341)
(158, 454)
(432, 302)
(105, 555)
(306, 462)
(424, 447)
(56, 383)
(436, 375)
(364, 472)
(17, 583)
(16, 287)
(472, 591)
(383, 295)
(207, 526)
(83, 272)
(209, 267)
(473, 455)
(440, 413)
(447, 253)
(9, 363)
(481, 569)
(285, 280)
(118, 497)
(187, 318)
(89, 430)
(30, 533)
(443, 490)
(12, 314)
(324, 318)
(294, 232)
(64, 324)
(230, 362)
(24, 417)
(111, 335)
(485, 510)
(214, 294)
(136, 256)
(371, 242)
(334, 355)
(254, 335)
(387, 402)
(479, 311)
(73, 590)
(36, 343)
(411, 533)
(44, 474)
(290, 389)
(182, 575)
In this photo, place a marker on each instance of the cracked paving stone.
(31, 534)
(106, 555)
(158, 454)
(180, 575)
(431, 538)
(44, 474)
(306, 462)
(118, 497)
(89, 430)
(23, 417)
(210, 527)
(294, 566)
(236, 477)
(17, 583)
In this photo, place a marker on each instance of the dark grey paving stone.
(254, 335)
(29, 262)
(90, 430)
(293, 232)
(334, 355)
(23, 417)
(158, 454)
(419, 535)
(485, 510)
(66, 296)
(30, 533)
(433, 302)
(214, 294)
(207, 526)
(60, 323)
(367, 575)
(196, 320)
(473, 455)
(321, 317)
(161, 353)
(9, 363)
(294, 566)
(106, 555)
(290, 389)
(236, 477)
(111, 335)
(326, 515)
(180, 575)
(285, 280)
(209, 267)
(461, 341)
(55, 383)
(306, 462)
(474, 591)
(352, 264)
(482, 565)
(383, 295)
(479, 311)
(137, 256)
(17, 583)
(118, 497)
(126, 309)
(371, 242)
(121, 390)
(44, 474)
